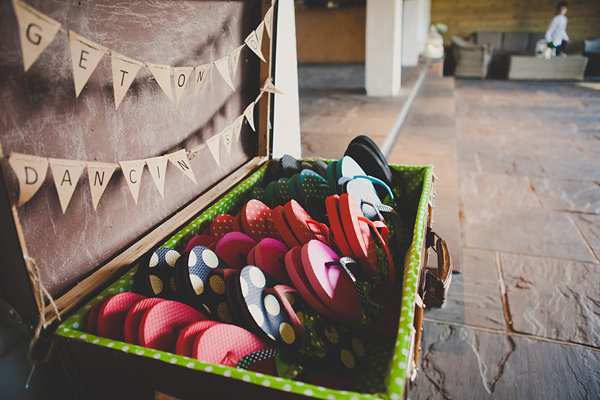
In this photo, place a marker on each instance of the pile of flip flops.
(299, 274)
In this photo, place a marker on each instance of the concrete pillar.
(415, 29)
(410, 28)
(286, 128)
(383, 47)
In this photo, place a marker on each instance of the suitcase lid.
(75, 252)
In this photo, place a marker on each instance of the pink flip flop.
(269, 255)
(201, 240)
(162, 323)
(134, 317)
(187, 337)
(330, 281)
(226, 345)
(234, 248)
(92, 318)
(111, 318)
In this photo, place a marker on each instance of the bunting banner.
(66, 174)
(223, 68)
(31, 170)
(235, 58)
(36, 32)
(213, 145)
(31, 173)
(201, 71)
(162, 75)
(237, 127)
(194, 152)
(227, 135)
(249, 114)
(268, 20)
(181, 74)
(270, 87)
(99, 175)
(254, 45)
(180, 160)
(124, 70)
(158, 171)
(132, 171)
(85, 56)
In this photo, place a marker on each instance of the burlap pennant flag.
(254, 45)
(249, 114)
(235, 59)
(270, 87)
(36, 32)
(99, 175)
(223, 68)
(237, 127)
(227, 135)
(158, 169)
(85, 56)
(162, 74)
(200, 74)
(269, 22)
(194, 152)
(66, 174)
(31, 173)
(180, 160)
(214, 147)
(124, 70)
(181, 77)
(260, 94)
(132, 171)
(260, 30)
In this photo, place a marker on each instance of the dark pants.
(561, 49)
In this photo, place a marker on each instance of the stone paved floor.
(518, 200)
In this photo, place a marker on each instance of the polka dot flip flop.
(156, 274)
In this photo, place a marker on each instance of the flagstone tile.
(563, 195)
(503, 191)
(324, 145)
(534, 232)
(552, 298)
(590, 228)
(474, 294)
(463, 363)
(539, 145)
(571, 167)
(591, 147)
(509, 164)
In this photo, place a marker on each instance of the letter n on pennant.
(99, 175)
(180, 160)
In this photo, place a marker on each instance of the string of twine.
(43, 295)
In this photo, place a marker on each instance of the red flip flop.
(226, 345)
(111, 318)
(134, 317)
(358, 234)
(92, 318)
(187, 337)
(277, 216)
(330, 281)
(253, 219)
(269, 255)
(221, 225)
(162, 323)
(304, 227)
(333, 213)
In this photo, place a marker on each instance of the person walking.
(556, 35)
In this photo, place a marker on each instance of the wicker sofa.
(591, 50)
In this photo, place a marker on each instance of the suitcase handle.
(437, 281)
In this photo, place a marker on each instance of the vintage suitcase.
(90, 249)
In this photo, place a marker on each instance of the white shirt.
(557, 31)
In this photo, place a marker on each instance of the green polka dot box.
(123, 370)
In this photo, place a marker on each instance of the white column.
(424, 22)
(286, 129)
(383, 47)
(410, 28)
